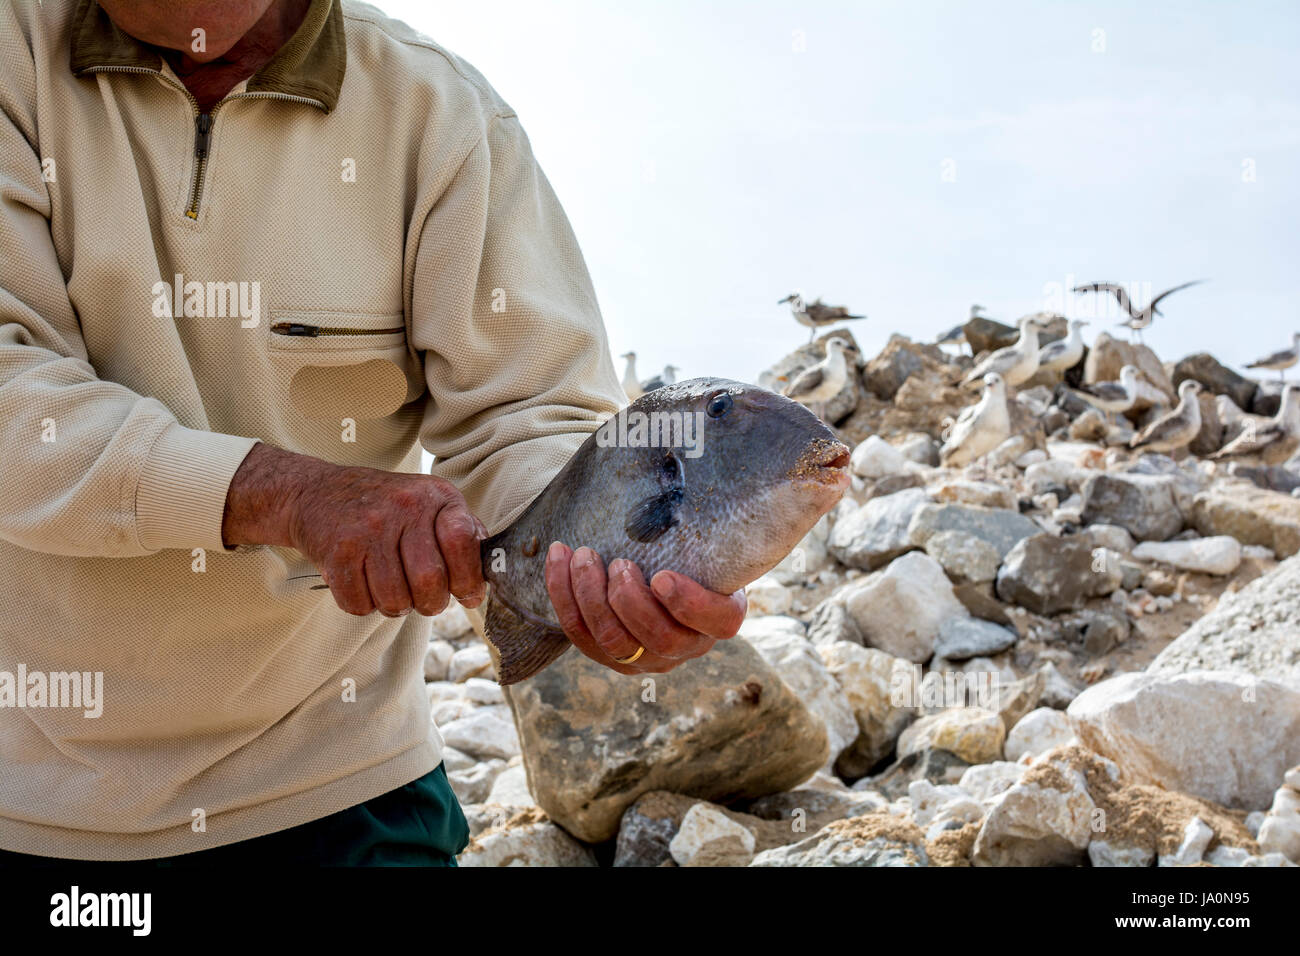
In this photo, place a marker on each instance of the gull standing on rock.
(1280, 361)
(818, 384)
(1015, 363)
(631, 387)
(1064, 354)
(1112, 397)
(980, 427)
(1175, 429)
(818, 315)
(1136, 321)
(1254, 439)
(667, 377)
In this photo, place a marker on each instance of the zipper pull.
(202, 134)
(295, 328)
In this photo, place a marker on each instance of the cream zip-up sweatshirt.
(367, 259)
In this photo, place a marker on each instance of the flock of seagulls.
(635, 388)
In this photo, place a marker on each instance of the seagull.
(1063, 354)
(1015, 363)
(817, 315)
(667, 377)
(980, 427)
(1175, 429)
(1281, 361)
(818, 384)
(1136, 321)
(631, 387)
(1112, 397)
(1253, 439)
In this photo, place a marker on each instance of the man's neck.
(209, 82)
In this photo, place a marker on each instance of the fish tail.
(524, 646)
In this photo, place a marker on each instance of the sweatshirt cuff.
(180, 500)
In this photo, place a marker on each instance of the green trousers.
(420, 824)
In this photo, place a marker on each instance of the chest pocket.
(343, 364)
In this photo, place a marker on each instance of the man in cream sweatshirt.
(253, 255)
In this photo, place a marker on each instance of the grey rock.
(961, 638)
(1047, 574)
(1143, 505)
(1255, 631)
(998, 527)
(1216, 377)
(876, 533)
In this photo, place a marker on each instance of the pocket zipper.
(312, 331)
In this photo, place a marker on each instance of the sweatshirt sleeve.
(87, 467)
(516, 358)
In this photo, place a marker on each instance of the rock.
(876, 533)
(1037, 732)
(1217, 555)
(471, 661)
(648, 827)
(964, 557)
(947, 801)
(1255, 631)
(1047, 574)
(1110, 536)
(486, 732)
(510, 789)
(876, 458)
(767, 595)
(1251, 515)
(999, 528)
(1280, 831)
(473, 785)
(987, 781)
(1216, 377)
(816, 808)
(483, 691)
(796, 660)
(830, 622)
(900, 359)
(722, 726)
(452, 624)
(1058, 692)
(1196, 838)
(877, 839)
(987, 335)
(900, 609)
(1101, 853)
(1018, 698)
(932, 764)
(920, 448)
(867, 677)
(1143, 505)
(983, 494)
(708, 838)
(1041, 821)
(1056, 474)
(1217, 735)
(453, 759)
(961, 638)
(1090, 426)
(971, 733)
(1268, 396)
(437, 660)
(1268, 477)
(1108, 355)
(524, 843)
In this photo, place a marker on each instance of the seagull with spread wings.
(1137, 319)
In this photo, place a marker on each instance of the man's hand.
(382, 541)
(608, 616)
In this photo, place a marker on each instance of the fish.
(712, 478)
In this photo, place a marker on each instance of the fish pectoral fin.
(649, 518)
(525, 647)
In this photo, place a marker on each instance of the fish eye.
(719, 405)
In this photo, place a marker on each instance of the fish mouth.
(824, 462)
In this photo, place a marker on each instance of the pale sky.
(907, 159)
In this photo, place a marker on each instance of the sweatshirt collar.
(311, 64)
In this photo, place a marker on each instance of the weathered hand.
(608, 616)
(382, 541)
